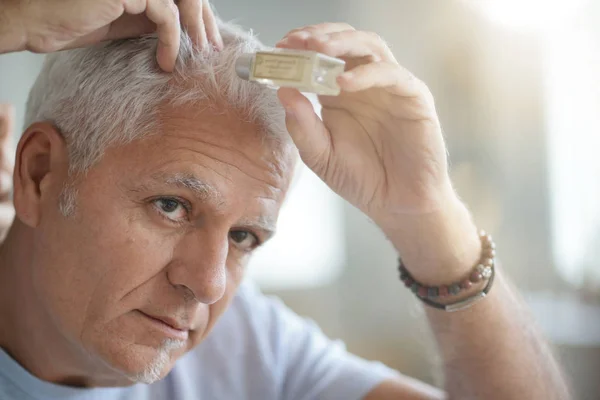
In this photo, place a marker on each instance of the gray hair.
(109, 94)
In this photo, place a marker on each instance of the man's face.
(162, 231)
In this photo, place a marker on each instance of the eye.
(171, 208)
(244, 240)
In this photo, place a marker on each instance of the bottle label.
(283, 67)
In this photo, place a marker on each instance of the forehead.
(214, 153)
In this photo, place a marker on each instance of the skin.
(380, 146)
(132, 247)
(7, 211)
(44, 26)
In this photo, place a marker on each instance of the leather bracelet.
(484, 270)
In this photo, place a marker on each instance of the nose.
(200, 265)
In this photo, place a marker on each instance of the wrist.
(437, 247)
(13, 35)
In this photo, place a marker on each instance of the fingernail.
(285, 40)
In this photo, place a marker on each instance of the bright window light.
(309, 247)
(530, 15)
(572, 86)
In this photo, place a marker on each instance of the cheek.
(88, 263)
(132, 255)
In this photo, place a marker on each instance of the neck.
(28, 333)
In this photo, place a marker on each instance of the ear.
(41, 167)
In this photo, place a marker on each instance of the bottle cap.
(243, 65)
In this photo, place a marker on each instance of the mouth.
(167, 326)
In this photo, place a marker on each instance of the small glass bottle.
(307, 71)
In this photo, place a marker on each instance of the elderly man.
(141, 194)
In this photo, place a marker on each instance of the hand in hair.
(44, 26)
(7, 210)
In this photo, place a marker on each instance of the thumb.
(7, 120)
(307, 130)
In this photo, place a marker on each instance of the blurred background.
(517, 85)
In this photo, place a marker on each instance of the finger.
(7, 120)
(125, 27)
(7, 164)
(7, 214)
(191, 12)
(135, 6)
(165, 14)
(347, 44)
(211, 26)
(6, 181)
(326, 27)
(381, 75)
(130, 26)
(308, 132)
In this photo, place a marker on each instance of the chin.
(154, 371)
(146, 364)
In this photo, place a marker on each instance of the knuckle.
(423, 88)
(293, 32)
(171, 7)
(41, 44)
(374, 36)
(135, 6)
(174, 10)
(304, 28)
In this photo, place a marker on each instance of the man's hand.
(7, 210)
(50, 25)
(380, 144)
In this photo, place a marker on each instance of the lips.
(170, 326)
(173, 323)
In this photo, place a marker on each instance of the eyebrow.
(206, 192)
(263, 223)
(201, 189)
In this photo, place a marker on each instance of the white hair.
(154, 370)
(109, 94)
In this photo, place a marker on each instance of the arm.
(491, 350)
(380, 146)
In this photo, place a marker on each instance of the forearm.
(492, 350)
(12, 32)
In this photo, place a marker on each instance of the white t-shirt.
(259, 349)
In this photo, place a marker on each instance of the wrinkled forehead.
(214, 153)
(229, 133)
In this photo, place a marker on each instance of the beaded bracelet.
(484, 270)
